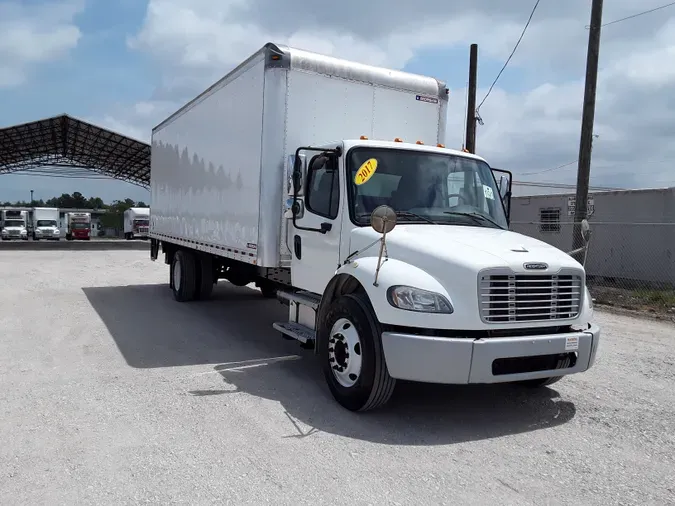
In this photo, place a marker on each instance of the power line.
(550, 169)
(545, 184)
(636, 15)
(509, 58)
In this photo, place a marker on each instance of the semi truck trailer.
(13, 225)
(78, 226)
(46, 224)
(327, 184)
(136, 222)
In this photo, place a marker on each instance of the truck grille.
(506, 297)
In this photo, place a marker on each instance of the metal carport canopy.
(63, 141)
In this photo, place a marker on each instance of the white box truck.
(326, 183)
(46, 224)
(13, 224)
(136, 222)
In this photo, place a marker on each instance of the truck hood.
(454, 256)
(14, 228)
(465, 247)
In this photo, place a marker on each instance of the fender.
(392, 272)
(586, 314)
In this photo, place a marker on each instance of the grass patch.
(662, 298)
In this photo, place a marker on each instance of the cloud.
(532, 125)
(33, 34)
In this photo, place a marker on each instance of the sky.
(126, 65)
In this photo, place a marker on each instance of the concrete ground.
(112, 393)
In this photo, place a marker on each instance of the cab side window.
(323, 188)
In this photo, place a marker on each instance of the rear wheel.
(205, 277)
(352, 357)
(183, 270)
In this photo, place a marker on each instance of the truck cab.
(46, 224)
(136, 223)
(404, 250)
(13, 225)
(78, 226)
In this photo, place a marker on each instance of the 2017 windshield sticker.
(366, 171)
(487, 191)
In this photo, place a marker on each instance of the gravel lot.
(112, 393)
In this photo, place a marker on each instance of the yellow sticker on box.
(366, 171)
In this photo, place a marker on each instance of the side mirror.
(585, 230)
(503, 186)
(299, 164)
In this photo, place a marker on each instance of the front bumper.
(487, 360)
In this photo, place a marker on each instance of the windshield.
(46, 223)
(142, 223)
(80, 226)
(14, 223)
(424, 187)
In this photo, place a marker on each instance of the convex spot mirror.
(383, 219)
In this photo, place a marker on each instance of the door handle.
(297, 246)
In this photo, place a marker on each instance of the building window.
(549, 220)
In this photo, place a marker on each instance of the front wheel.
(541, 382)
(352, 357)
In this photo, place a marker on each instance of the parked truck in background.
(14, 225)
(326, 183)
(46, 224)
(136, 222)
(78, 226)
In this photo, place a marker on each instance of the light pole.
(31, 198)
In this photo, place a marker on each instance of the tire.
(204, 277)
(267, 289)
(541, 382)
(184, 276)
(372, 386)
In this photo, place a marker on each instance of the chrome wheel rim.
(345, 353)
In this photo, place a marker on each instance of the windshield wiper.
(476, 217)
(407, 214)
(417, 216)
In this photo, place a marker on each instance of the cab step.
(296, 331)
(308, 299)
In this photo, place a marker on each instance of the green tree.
(114, 217)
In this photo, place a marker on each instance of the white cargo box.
(220, 164)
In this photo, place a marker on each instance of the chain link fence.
(629, 265)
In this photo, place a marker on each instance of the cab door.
(316, 227)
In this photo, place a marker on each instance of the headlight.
(415, 299)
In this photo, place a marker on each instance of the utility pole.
(588, 117)
(470, 143)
